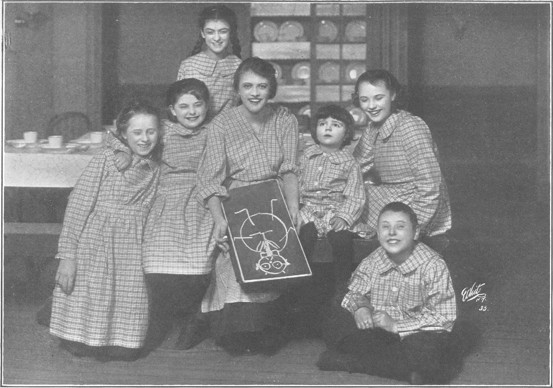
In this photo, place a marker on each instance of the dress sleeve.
(81, 203)
(350, 210)
(290, 142)
(363, 152)
(212, 171)
(419, 150)
(439, 309)
(182, 71)
(359, 294)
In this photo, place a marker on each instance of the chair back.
(70, 125)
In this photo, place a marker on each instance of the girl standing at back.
(100, 304)
(214, 65)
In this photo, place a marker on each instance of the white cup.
(55, 141)
(96, 137)
(30, 136)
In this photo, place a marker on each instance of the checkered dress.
(218, 75)
(418, 294)
(102, 231)
(178, 232)
(237, 156)
(330, 185)
(406, 159)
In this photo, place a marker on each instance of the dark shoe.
(43, 315)
(118, 353)
(192, 334)
(337, 361)
(79, 349)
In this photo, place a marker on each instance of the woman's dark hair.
(219, 12)
(400, 207)
(337, 113)
(373, 77)
(133, 108)
(191, 86)
(260, 67)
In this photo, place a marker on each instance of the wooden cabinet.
(319, 50)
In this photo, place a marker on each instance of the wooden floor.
(504, 245)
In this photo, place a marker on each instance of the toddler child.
(100, 304)
(395, 320)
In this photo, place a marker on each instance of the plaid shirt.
(218, 75)
(178, 232)
(332, 180)
(418, 294)
(406, 159)
(236, 152)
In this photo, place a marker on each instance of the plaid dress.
(237, 156)
(418, 294)
(330, 185)
(178, 231)
(406, 159)
(218, 75)
(102, 231)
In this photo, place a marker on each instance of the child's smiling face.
(189, 111)
(216, 34)
(330, 133)
(397, 235)
(142, 133)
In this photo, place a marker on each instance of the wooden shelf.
(282, 50)
(293, 93)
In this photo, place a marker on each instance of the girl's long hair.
(219, 12)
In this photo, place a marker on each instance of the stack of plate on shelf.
(356, 31)
(265, 31)
(290, 31)
(327, 32)
(329, 72)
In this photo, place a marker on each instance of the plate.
(359, 117)
(354, 70)
(290, 31)
(19, 143)
(327, 31)
(278, 71)
(85, 142)
(305, 111)
(329, 72)
(57, 150)
(301, 70)
(356, 31)
(265, 31)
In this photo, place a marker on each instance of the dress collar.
(415, 260)
(391, 123)
(337, 157)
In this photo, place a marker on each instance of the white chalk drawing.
(269, 243)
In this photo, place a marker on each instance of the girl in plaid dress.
(177, 246)
(100, 304)
(247, 144)
(214, 65)
(398, 150)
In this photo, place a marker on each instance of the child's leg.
(426, 354)
(342, 251)
(191, 290)
(308, 238)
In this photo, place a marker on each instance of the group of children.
(138, 244)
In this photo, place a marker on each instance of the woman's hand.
(338, 224)
(122, 160)
(363, 318)
(65, 276)
(384, 321)
(220, 234)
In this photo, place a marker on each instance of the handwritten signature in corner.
(473, 293)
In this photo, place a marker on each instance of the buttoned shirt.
(217, 74)
(418, 294)
(332, 180)
(405, 157)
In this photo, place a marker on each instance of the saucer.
(19, 143)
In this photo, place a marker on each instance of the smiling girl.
(398, 147)
(100, 304)
(215, 65)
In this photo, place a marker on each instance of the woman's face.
(189, 111)
(376, 101)
(142, 133)
(216, 34)
(254, 91)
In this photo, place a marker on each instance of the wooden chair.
(70, 125)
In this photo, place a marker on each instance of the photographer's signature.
(474, 293)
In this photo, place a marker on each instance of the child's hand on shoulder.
(384, 321)
(363, 318)
(338, 224)
(65, 276)
(122, 160)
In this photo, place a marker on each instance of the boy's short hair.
(400, 207)
(337, 113)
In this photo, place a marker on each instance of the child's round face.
(376, 100)
(331, 133)
(216, 34)
(254, 91)
(396, 235)
(189, 111)
(142, 134)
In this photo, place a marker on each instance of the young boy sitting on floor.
(396, 319)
